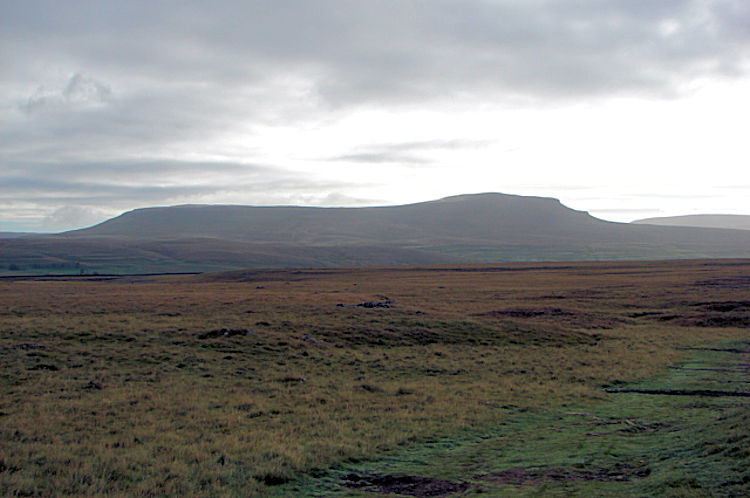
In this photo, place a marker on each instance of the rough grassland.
(261, 382)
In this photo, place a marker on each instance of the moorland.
(588, 379)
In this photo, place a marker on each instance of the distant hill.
(462, 229)
(734, 221)
(479, 217)
(15, 235)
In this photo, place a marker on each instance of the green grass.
(661, 446)
(114, 387)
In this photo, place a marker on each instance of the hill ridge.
(473, 228)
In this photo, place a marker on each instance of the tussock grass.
(114, 388)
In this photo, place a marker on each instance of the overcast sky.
(625, 109)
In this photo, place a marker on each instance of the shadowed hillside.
(460, 229)
(453, 219)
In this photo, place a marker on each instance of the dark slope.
(123, 255)
(732, 221)
(481, 216)
(469, 228)
(15, 235)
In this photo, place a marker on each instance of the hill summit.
(478, 216)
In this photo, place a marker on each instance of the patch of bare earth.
(739, 282)
(705, 314)
(402, 484)
(532, 476)
(560, 316)
(682, 392)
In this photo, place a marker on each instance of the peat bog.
(510, 380)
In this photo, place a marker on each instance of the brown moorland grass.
(232, 382)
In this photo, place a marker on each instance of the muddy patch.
(528, 313)
(725, 306)
(225, 332)
(368, 304)
(532, 476)
(641, 314)
(717, 320)
(713, 314)
(560, 316)
(739, 282)
(403, 484)
(719, 350)
(682, 392)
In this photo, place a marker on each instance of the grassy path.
(669, 439)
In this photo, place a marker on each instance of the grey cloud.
(118, 172)
(171, 71)
(405, 153)
(80, 91)
(395, 50)
(550, 50)
(431, 145)
(381, 157)
(99, 138)
(154, 181)
(55, 192)
(91, 192)
(340, 199)
(73, 216)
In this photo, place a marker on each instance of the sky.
(626, 109)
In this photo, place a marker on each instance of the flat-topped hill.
(473, 228)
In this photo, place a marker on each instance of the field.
(588, 379)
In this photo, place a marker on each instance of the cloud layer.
(109, 105)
